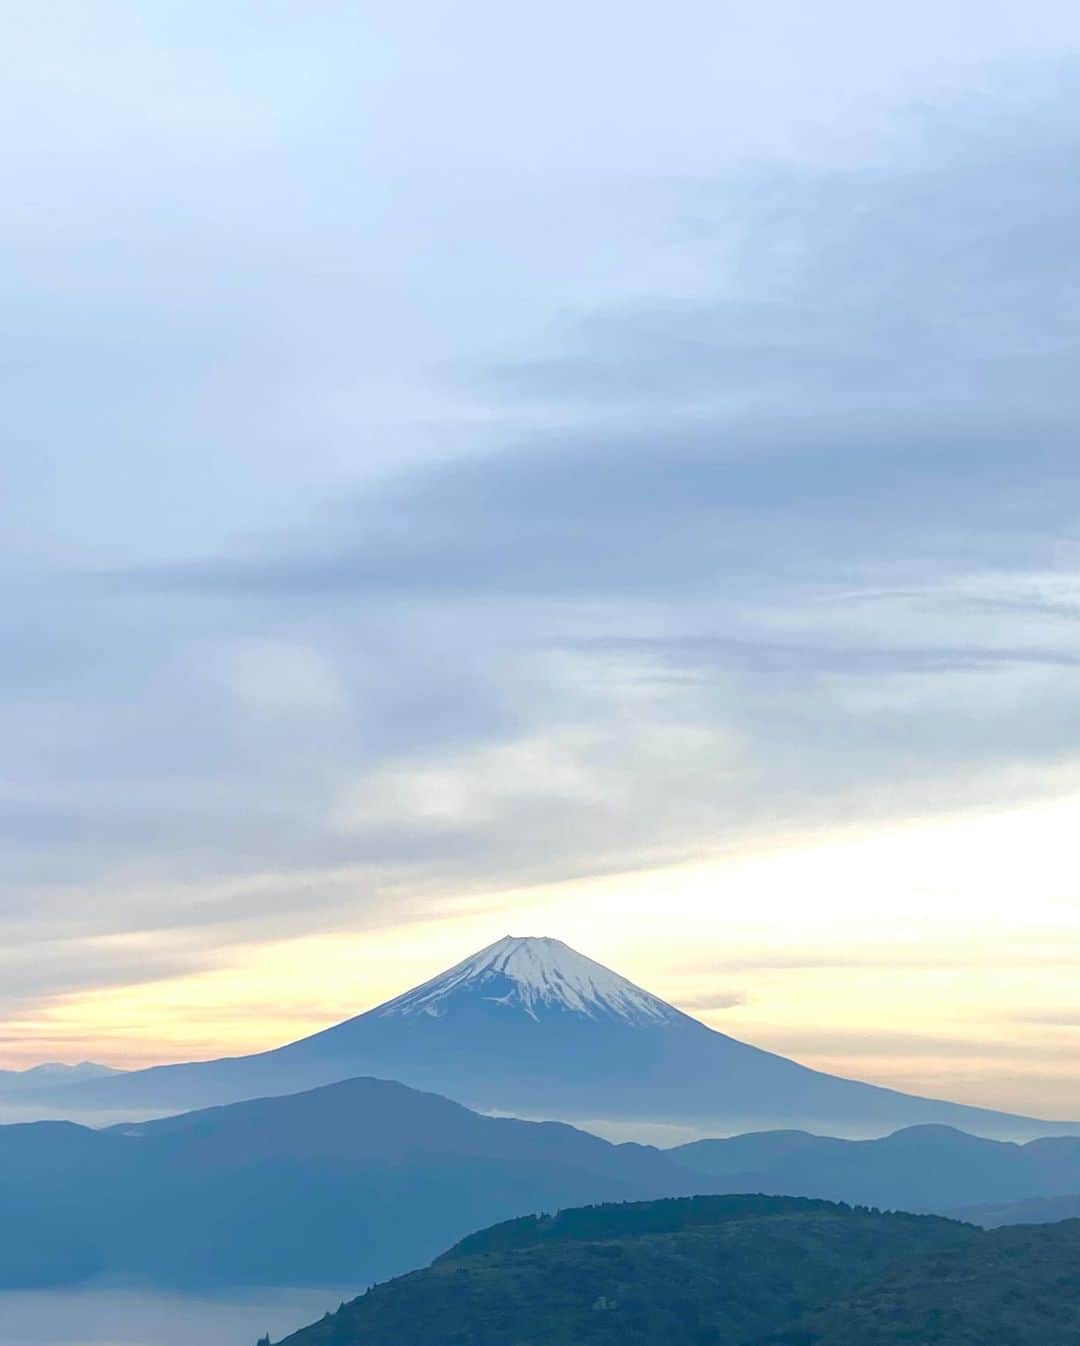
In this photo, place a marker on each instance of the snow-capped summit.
(535, 974)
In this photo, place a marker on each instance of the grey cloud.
(898, 1046)
(50, 968)
(702, 654)
(600, 514)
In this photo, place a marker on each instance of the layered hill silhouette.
(532, 1028)
(367, 1178)
(743, 1271)
(350, 1182)
(921, 1168)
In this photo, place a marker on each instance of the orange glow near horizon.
(902, 957)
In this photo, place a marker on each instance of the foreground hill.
(728, 1271)
(347, 1183)
(921, 1168)
(532, 1028)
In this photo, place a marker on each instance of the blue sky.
(478, 452)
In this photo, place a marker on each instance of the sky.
(599, 471)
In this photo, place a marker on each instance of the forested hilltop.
(729, 1271)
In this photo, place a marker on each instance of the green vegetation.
(1011, 1287)
(729, 1271)
(630, 1220)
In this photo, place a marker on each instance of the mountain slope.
(352, 1181)
(742, 1271)
(532, 1028)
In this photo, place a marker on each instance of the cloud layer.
(380, 531)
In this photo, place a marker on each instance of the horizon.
(644, 514)
(658, 1133)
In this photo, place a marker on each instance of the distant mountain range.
(529, 1027)
(50, 1075)
(367, 1178)
(1034, 1210)
(350, 1182)
(742, 1271)
(922, 1168)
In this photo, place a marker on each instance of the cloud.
(754, 545)
(896, 1047)
(700, 655)
(1060, 1018)
(38, 970)
(712, 1000)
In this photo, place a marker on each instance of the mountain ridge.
(19, 1085)
(356, 1180)
(368, 1178)
(919, 1168)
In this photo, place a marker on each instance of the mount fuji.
(529, 1027)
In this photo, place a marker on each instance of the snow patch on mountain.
(535, 974)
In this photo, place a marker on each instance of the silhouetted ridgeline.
(342, 1184)
(729, 1271)
(921, 1168)
(366, 1179)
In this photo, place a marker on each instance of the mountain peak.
(534, 974)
